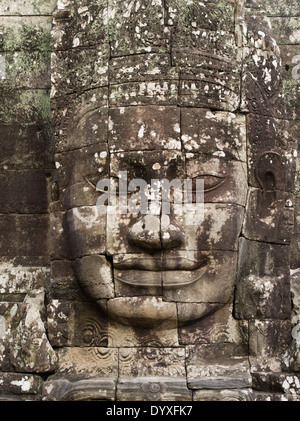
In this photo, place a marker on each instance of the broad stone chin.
(151, 312)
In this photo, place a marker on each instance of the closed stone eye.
(211, 182)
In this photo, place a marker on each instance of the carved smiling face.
(161, 104)
(147, 266)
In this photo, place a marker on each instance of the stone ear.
(270, 210)
(270, 172)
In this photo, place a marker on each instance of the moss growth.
(26, 69)
(35, 39)
(30, 33)
(24, 106)
(291, 90)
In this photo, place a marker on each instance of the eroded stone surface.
(268, 336)
(153, 389)
(154, 88)
(227, 361)
(95, 276)
(95, 361)
(151, 361)
(18, 384)
(128, 24)
(262, 90)
(224, 138)
(223, 395)
(219, 327)
(31, 351)
(94, 388)
(271, 224)
(156, 127)
(256, 298)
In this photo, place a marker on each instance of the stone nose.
(156, 233)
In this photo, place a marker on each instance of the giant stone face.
(167, 90)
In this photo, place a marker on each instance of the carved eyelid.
(222, 180)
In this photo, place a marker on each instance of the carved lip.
(166, 279)
(154, 264)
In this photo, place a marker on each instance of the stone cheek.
(86, 231)
(83, 164)
(220, 228)
(95, 276)
(206, 290)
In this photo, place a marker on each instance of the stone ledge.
(153, 389)
(73, 389)
(19, 384)
(220, 382)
